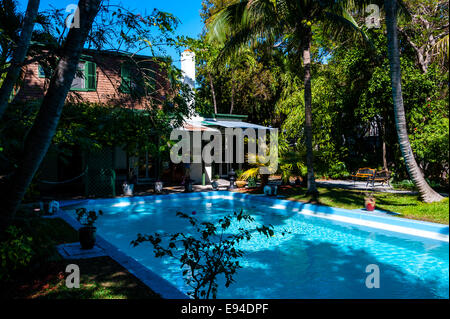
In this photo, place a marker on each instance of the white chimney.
(188, 69)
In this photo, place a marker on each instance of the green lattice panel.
(100, 175)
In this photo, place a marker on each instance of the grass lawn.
(100, 278)
(409, 206)
(44, 277)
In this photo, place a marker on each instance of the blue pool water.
(319, 258)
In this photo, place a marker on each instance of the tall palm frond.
(441, 50)
(251, 22)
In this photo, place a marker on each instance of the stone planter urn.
(188, 185)
(369, 203)
(232, 178)
(158, 188)
(86, 233)
(241, 184)
(86, 236)
(127, 189)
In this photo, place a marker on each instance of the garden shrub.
(338, 170)
(16, 252)
(30, 244)
(210, 252)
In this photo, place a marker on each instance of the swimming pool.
(325, 255)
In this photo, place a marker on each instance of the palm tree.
(15, 65)
(441, 49)
(427, 194)
(41, 133)
(288, 22)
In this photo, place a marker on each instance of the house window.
(45, 71)
(41, 71)
(85, 78)
(127, 84)
(132, 81)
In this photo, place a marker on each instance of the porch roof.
(234, 124)
(191, 125)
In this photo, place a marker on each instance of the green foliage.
(10, 24)
(291, 164)
(210, 252)
(15, 252)
(286, 173)
(239, 173)
(249, 173)
(38, 236)
(248, 80)
(338, 170)
(405, 184)
(351, 91)
(94, 126)
(351, 94)
(88, 127)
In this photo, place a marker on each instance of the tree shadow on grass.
(100, 278)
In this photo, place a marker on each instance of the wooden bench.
(382, 177)
(372, 176)
(364, 173)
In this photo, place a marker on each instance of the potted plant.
(87, 232)
(241, 184)
(214, 183)
(369, 203)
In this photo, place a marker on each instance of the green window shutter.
(41, 71)
(90, 73)
(125, 84)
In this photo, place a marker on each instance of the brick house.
(103, 77)
(109, 78)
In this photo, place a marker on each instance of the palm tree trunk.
(232, 91)
(40, 136)
(213, 92)
(385, 165)
(308, 113)
(427, 194)
(19, 54)
(382, 135)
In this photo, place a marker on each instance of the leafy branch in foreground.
(208, 253)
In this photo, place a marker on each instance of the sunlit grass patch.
(406, 205)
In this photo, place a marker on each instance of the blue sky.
(188, 11)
